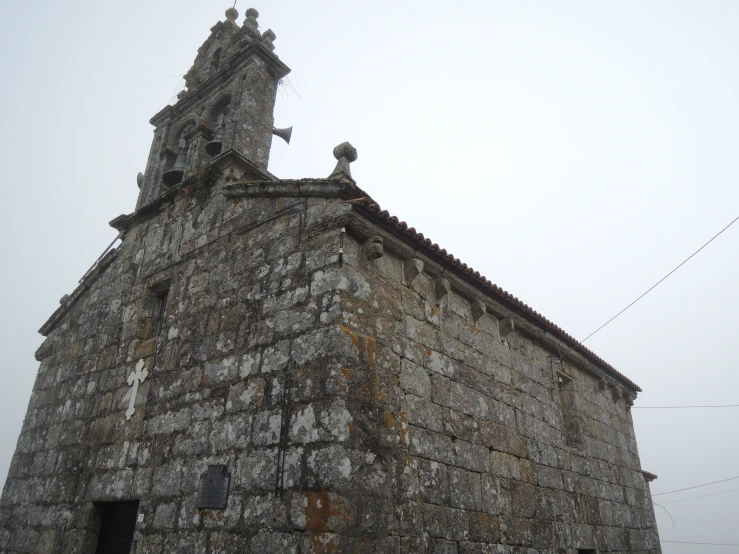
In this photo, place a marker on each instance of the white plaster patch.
(172, 333)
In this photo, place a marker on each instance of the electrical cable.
(658, 282)
(679, 407)
(701, 496)
(697, 486)
(706, 543)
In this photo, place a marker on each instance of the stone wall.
(499, 442)
(357, 409)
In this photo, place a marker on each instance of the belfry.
(274, 366)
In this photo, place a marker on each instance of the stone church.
(272, 366)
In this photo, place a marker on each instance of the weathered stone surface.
(373, 404)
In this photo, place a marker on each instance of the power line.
(658, 282)
(706, 543)
(701, 496)
(681, 407)
(697, 486)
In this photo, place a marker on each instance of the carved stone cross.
(136, 377)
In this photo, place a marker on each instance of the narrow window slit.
(158, 313)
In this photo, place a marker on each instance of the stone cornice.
(292, 188)
(408, 245)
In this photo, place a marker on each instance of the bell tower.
(226, 107)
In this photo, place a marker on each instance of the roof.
(369, 208)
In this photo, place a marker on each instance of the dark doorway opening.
(118, 520)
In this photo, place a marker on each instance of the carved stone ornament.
(375, 248)
(345, 153)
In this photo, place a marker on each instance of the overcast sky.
(572, 152)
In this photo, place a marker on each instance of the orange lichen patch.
(529, 474)
(356, 341)
(346, 372)
(404, 430)
(327, 512)
(371, 349)
(323, 543)
(472, 329)
(236, 202)
(215, 516)
(389, 420)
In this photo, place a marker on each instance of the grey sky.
(572, 152)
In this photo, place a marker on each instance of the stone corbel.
(412, 268)
(375, 248)
(442, 288)
(617, 394)
(506, 327)
(478, 309)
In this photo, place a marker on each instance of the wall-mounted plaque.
(213, 490)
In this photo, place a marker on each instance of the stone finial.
(231, 15)
(412, 268)
(251, 18)
(479, 309)
(442, 288)
(268, 38)
(345, 153)
(375, 248)
(64, 299)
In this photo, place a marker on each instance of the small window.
(118, 520)
(158, 313)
